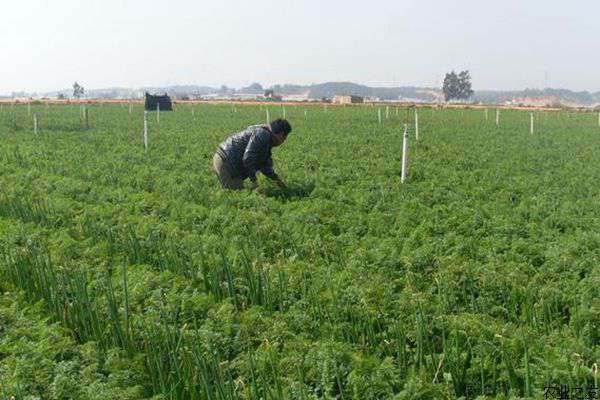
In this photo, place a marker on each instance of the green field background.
(130, 274)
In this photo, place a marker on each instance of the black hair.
(281, 126)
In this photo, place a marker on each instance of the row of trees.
(456, 87)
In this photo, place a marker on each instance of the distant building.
(536, 101)
(371, 99)
(304, 96)
(162, 102)
(346, 99)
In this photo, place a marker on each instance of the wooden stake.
(87, 118)
(268, 116)
(379, 115)
(497, 117)
(387, 112)
(145, 133)
(35, 123)
(283, 112)
(486, 115)
(158, 113)
(404, 154)
(417, 124)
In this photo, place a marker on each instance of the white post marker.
(283, 112)
(87, 118)
(129, 108)
(379, 115)
(404, 154)
(145, 133)
(35, 123)
(486, 115)
(497, 117)
(305, 114)
(268, 116)
(416, 124)
(387, 112)
(531, 123)
(158, 113)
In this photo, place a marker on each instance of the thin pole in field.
(29, 108)
(416, 124)
(379, 115)
(283, 112)
(87, 118)
(531, 123)
(305, 114)
(598, 118)
(158, 113)
(486, 115)
(145, 134)
(498, 117)
(404, 154)
(396, 110)
(387, 112)
(35, 123)
(268, 116)
(129, 108)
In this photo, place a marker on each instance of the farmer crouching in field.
(243, 154)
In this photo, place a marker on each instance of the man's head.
(280, 128)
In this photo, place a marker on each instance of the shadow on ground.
(294, 191)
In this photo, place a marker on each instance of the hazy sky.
(506, 44)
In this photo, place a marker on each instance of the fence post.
(486, 115)
(497, 117)
(387, 112)
(379, 115)
(417, 124)
(268, 116)
(87, 118)
(158, 113)
(404, 154)
(531, 123)
(35, 123)
(145, 134)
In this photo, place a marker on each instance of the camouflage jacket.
(247, 152)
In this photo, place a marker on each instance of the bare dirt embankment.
(304, 103)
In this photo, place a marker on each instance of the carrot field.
(127, 273)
